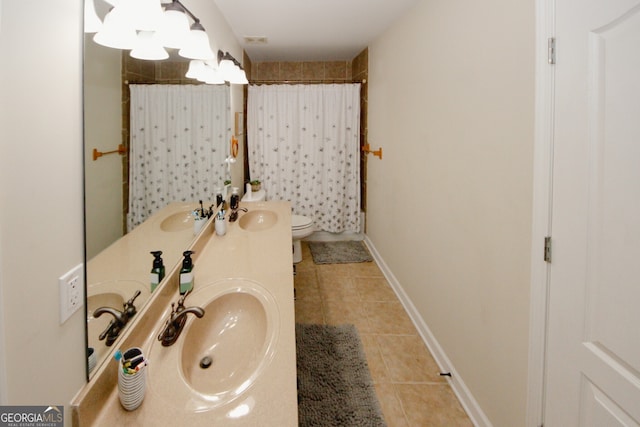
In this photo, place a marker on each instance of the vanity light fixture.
(175, 26)
(146, 27)
(116, 31)
(231, 69)
(225, 69)
(239, 77)
(211, 75)
(204, 71)
(148, 47)
(197, 44)
(226, 62)
(196, 68)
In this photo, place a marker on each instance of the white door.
(592, 375)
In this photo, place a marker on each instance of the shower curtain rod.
(258, 82)
(172, 82)
(293, 82)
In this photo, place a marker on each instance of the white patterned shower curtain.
(304, 145)
(179, 137)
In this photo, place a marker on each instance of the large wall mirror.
(114, 278)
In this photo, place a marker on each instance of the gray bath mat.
(339, 252)
(334, 383)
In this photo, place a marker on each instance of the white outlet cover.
(71, 292)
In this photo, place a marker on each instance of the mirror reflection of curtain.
(179, 138)
(304, 146)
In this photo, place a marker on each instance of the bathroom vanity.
(244, 283)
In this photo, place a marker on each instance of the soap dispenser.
(157, 270)
(235, 199)
(219, 197)
(186, 273)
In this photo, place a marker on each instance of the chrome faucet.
(234, 214)
(174, 325)
(120, 319)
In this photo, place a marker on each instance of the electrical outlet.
(71, 292)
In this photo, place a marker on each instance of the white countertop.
(263, 257)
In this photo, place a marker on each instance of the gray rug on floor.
(339, 252)
(334, 383)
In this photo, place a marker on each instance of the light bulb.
(148, 47)
(197, 44)
(116, 31)
(174, 28)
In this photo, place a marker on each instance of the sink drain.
(205, 362)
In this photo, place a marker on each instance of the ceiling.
(309, 30)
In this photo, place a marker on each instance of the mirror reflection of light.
(242, 409)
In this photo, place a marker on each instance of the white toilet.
(301, 226)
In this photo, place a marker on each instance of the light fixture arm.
(226, 55)
(184, 8)
(222, 55)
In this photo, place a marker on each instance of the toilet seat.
(299, 222)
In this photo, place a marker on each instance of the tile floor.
(407, 381)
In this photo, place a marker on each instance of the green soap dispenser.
(157, 270)
(186, 273)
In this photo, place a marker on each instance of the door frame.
(542, 208)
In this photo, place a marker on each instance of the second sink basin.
(258, 220)
(177, 222)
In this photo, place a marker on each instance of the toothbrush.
(118, 356)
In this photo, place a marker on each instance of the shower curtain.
(179, 137)
(304, 146)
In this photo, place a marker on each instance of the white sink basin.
(258, 220)
(106, 299)
(222, 351)
(219, 356)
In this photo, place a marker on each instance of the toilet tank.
(255, 196)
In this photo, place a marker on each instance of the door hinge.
(547, 248)
(551, 50)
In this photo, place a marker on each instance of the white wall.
(41, 197)
(3, 382)
(451, 102)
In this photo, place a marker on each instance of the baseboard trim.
(463, 393)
